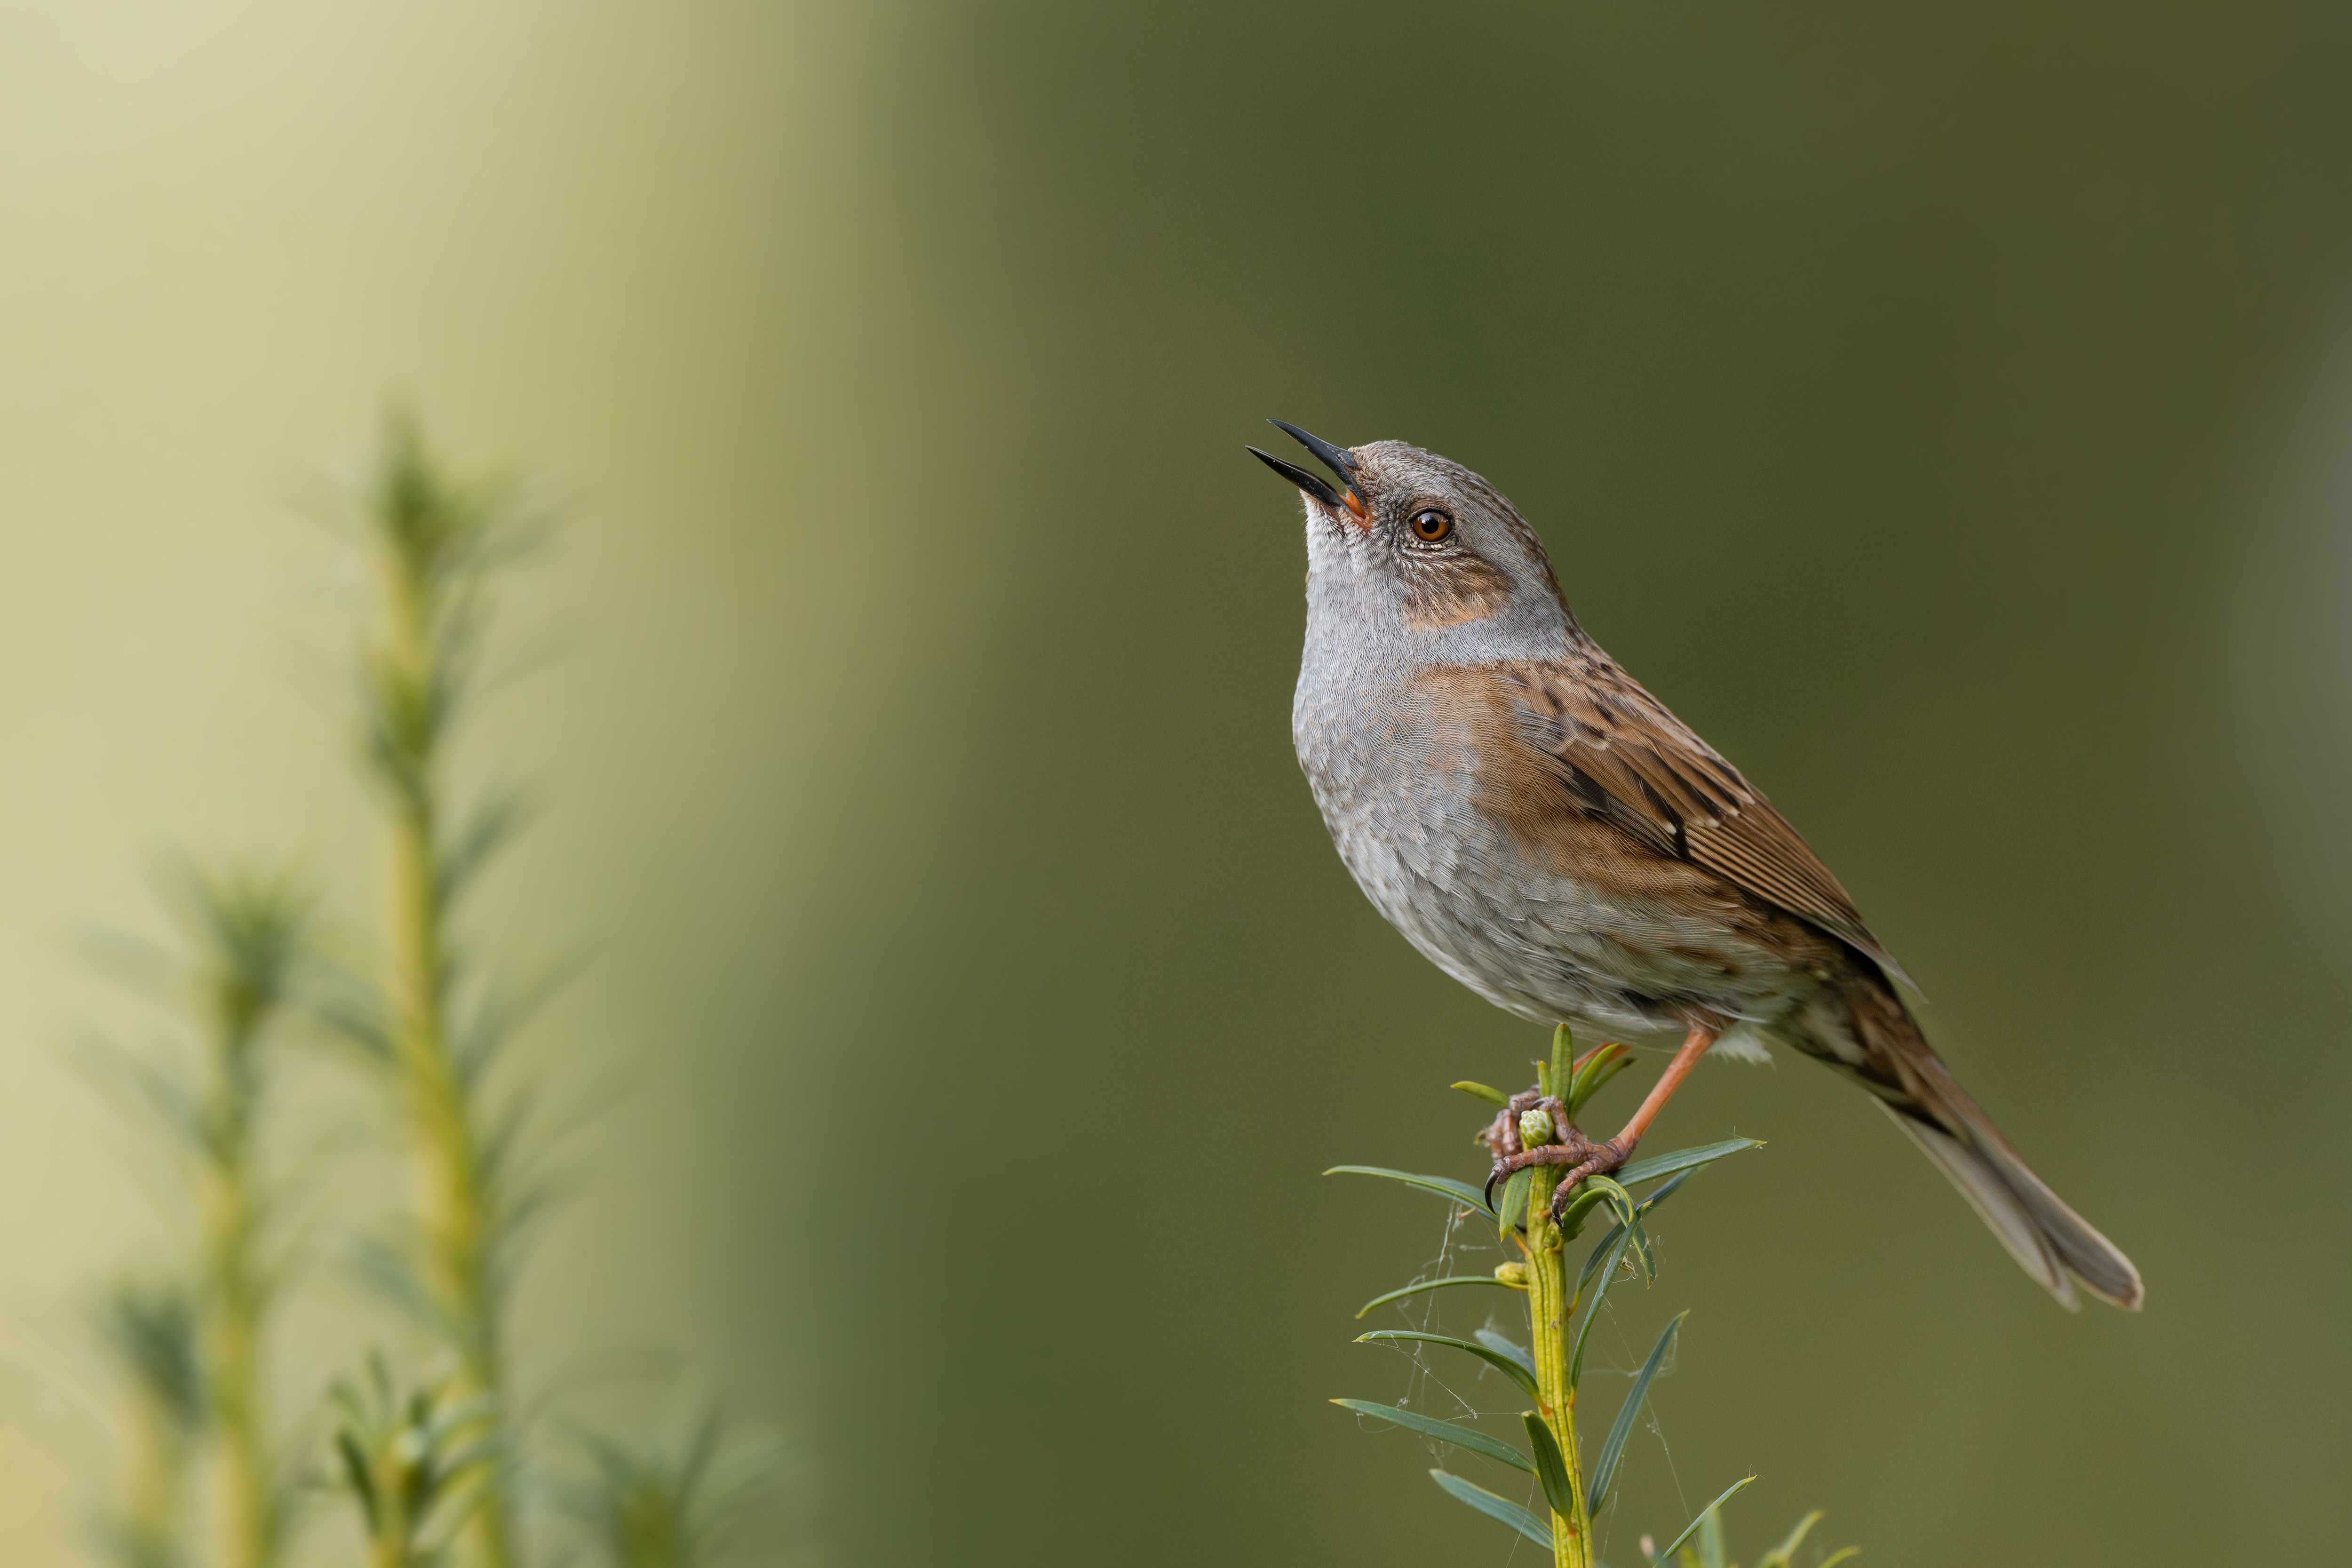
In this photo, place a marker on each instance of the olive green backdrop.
(1945, 408)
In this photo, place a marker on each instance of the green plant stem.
(456, 1212)
(236, 1288)
(252, 938)
(392, 1543)
(390, 1546)
(1549, 1309)
(151, 1535)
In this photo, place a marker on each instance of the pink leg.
(1607, 1157)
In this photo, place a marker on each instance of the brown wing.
(1626, 757)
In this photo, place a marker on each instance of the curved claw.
(1606, 1157)
(1503, 1139)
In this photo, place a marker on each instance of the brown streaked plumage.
(1621, 752)
(1456, 592)
(1547, 833)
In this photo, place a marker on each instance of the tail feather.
(2097, 1262)
(1996, 1205)
(2049, 1241)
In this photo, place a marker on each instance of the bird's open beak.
(1299, 477)
(1335, 459)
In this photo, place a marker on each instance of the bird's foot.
(1534, 1130)
(1600, 1159)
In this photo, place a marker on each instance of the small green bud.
(1535, 1128)
(1515, 1275)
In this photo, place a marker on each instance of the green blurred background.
(1944, 408)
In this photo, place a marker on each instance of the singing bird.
(1543, 829)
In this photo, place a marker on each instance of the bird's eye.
(1431, 525)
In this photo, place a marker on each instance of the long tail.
(1913, 1085)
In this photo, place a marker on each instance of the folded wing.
(1623, 754)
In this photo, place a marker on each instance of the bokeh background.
(1946, 407)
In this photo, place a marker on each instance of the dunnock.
(1547, 833)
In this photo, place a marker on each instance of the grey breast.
(1390, 766)
(1391, 772)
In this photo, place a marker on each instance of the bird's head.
(1407, 547)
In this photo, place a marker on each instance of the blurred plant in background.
(434, 1462)
(191, 1344)
(253, 935)
(419, 1465)
(151, 1330)
(1706, 1549)
(439, 1025)
(663, 1504)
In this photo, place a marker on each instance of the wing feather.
(1623, 754)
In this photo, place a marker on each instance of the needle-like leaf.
(1551, 1466)
(1511, 1367)
(1420, 1286)
(1692, 1528)
(1595, 1192)
(1511, 1208)
(1462, 1193)
(1669, 1190)
(1503, 1345)
(1495, 1507)
(1642, 1250)
(1605, 1470)
(1461, 1436)
(1683, 1159)
(1592, 1259)
(1573, 1213)
(1482, 1092)
(1712, 1551)
(1613, 1195)
(1604, 1064)
(1599, 1294)
(1780, 1556)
